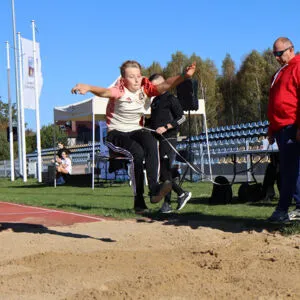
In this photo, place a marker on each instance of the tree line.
(232, 97)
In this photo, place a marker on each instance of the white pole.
(207, 141)
(22, 133)
(37, 107)
(93, 162)
(249, 174)
(11, 142)
(17, 87)
(208, 149)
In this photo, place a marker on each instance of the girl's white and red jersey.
(125, 110)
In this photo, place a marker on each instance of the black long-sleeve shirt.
(166, 109)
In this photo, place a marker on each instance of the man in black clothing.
(166, 116)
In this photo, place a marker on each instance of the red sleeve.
(149, 88)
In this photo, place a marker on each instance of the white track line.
(23, 213)
(49, 210)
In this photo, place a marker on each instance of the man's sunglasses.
(279, 53)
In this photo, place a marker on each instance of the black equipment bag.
(221, 192)
(272, 176)
(187, 94)
(250, 192)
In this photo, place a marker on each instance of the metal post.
(17, 87)
(11, 136)
(202, 162)
(248, 163)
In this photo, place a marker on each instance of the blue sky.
(87, 41)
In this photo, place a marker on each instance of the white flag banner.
(28, 72)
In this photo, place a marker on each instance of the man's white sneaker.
(294, 214)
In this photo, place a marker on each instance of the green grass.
(116, 201)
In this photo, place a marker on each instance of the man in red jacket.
(284, 118)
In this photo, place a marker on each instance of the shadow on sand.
(40, 229)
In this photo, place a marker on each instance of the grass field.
(116, 201)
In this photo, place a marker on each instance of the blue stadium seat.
(238, 133)
(241, 141)
(214, 143)
(265, 123)
(228, 134)
(259, 123)
(260, 131)
(254, 139)
(253, 132)
(216, 135)
(248, 132)
(202, 137)
(225, 142)
(219, 143)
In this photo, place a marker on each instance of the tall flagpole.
(37, 107)
(11, 138)
(17, 88)
(22, 133)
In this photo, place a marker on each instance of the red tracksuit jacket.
(284, 97)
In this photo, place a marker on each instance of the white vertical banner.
(31, 69)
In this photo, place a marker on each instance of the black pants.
(167, 157)
(289, 167)
(138, 146)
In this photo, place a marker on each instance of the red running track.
(18, 213)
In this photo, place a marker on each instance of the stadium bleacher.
(225, 141)
(229, 138)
